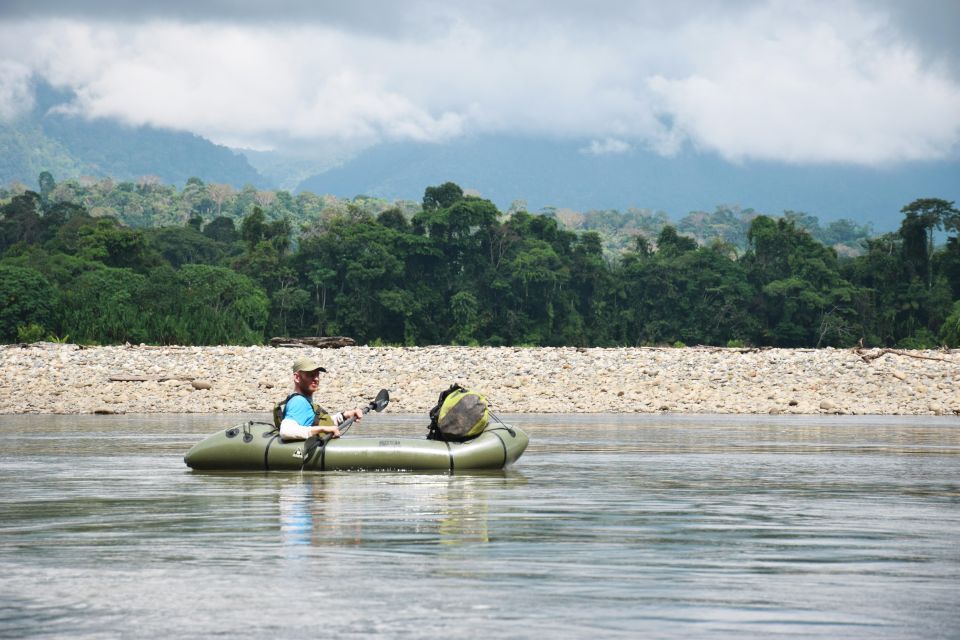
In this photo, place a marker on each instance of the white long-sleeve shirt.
(290, 429)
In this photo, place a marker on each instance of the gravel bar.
(69, 379)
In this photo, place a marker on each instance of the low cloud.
(606, 147)
(16, 95)
(811, 94)
(812, 83)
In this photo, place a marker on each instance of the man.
(301, 417)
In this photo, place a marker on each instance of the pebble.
(64, 378)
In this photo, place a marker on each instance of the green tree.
(253, 228)
(950, 333)
(105, 306)
(224, 307)
(322, 279)
(947, 264)
(56, 216)
(47, 185)
(164, 318)
(521, 282)
(222, 230)
(116, 246)
(592, 283)
(669, 242)
(465, 310)
(925, 216)
(441, 197)
(803, 298)
(394, 219)
(370, 280)
(183, 245)
(20, 221)
(882, 274)
(26, 297)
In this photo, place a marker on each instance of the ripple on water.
(617, 526)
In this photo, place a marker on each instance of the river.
(624, 526)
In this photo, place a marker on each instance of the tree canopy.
(234, 267)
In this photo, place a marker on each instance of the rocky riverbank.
(58, 378)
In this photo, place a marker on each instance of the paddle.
(378, 404)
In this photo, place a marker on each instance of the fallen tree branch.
(868, 357)
(322, 342)
(120, 378)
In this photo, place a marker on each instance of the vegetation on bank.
(111, 263)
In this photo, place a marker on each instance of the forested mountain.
(147, 202)
(566, 175)
(47, 139)
(452, 269)
(542, 174)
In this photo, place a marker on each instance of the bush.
(921, 339)
(26, 298)
(950, 332)
(30, 333)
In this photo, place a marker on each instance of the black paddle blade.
(380, 402)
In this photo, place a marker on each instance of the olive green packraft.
(458, 416)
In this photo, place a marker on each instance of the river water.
(609, 526)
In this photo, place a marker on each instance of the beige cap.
(307, 364)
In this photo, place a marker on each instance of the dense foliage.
(226, 266)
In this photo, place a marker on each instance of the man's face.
(307, 381)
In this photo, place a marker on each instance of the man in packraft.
(298, 415)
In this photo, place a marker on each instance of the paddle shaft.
(315, 441)
(344, 426)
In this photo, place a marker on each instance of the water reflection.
(610, 526)
(352, 509)
(296, 521)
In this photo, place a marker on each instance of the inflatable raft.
(256, 446)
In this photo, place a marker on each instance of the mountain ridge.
(561, 174)
(540, 173)
(46, 138)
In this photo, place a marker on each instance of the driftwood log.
(867, 357)
(125, 378)
(323, 342)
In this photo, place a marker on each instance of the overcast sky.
(855, 82)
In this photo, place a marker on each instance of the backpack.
(458, 416)
(322, 417)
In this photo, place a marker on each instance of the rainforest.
(99, 262)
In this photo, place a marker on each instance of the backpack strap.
(320, 415)
(280, 408)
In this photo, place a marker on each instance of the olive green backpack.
(321, 415)
(459, 415)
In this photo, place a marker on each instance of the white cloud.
(16, 96)
(818, 82)
(606, 147)
(814, 93)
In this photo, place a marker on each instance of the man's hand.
(315, 431)
(356, 414)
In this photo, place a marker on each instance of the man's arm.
(290, 429)
(298, 420)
